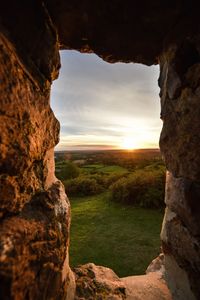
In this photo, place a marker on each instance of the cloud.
(92, 98)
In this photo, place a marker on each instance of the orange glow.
(128, 143)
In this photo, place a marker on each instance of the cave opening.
(109, 117)
(35, 213)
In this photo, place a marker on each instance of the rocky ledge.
(101, 283)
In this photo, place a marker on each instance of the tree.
(67, 170)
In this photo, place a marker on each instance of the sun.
(128, 143)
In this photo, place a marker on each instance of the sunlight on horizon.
(128, 143)
(105, 106)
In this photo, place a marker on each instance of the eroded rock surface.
(127, 31)
(33, 247)
(180, 145)
(96, 282)
(150, 286)
(34, 211)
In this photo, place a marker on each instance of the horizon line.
(107, 149)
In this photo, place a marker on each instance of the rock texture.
(34, 210)
(115, 30)
(150, 286)
(96, 282)
(180, 145)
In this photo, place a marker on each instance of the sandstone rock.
(33, 247)
(34, 210)
(116, 31)
(180, 144)
(96, 282)
(177, 280)
(29, 131)
(182, 246)
(157, 265)
(181, 197)
(28, 26)
(180, 112)
(150, 286)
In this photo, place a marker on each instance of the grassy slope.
(125, 239)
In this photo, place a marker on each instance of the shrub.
(105, 180)
(145, 189)
(112, 178)
(100, 179)
(67, 170)
(82, 186)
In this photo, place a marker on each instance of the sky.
(106, 106)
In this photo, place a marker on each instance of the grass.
(124, 238)
(111, 169)
(93, 166)
(99, 168)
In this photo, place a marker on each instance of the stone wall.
(34, 210)
(180, 144)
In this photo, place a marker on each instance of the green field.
(112, 196)
(124, 238)
(99, 168)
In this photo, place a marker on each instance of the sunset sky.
(104, 106)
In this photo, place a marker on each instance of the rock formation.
(96, 282)
(34, 210)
